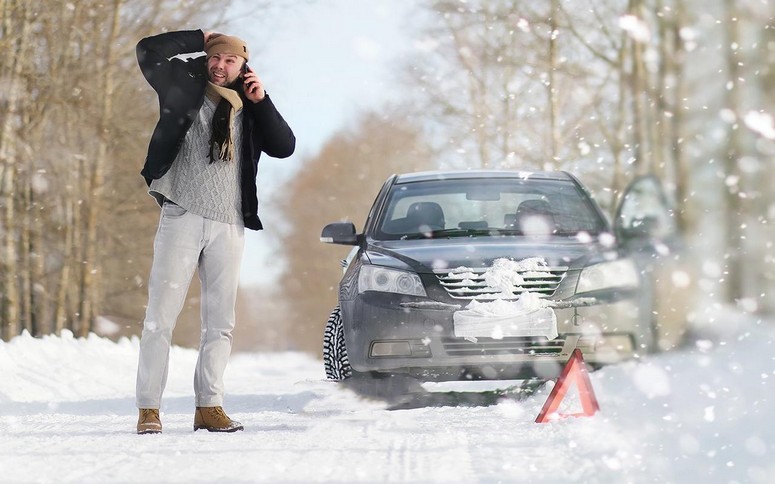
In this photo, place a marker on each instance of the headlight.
(373, 278)
(608, 275)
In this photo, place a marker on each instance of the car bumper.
(384, 336)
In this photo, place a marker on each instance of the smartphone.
(245, 70)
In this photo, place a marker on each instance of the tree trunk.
(734, 210)
(90, 303)
(659, 92)
(25, 269)
(637, 93)
(552, 90)
(680, 166)
(618, 179)
(766, 180)
(8, 160)
(62, 316)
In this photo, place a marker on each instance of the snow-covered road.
(699, 415)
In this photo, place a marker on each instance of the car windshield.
(487, 207)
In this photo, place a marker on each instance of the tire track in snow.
(440, 457)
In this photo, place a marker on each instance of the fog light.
(408, 348)
(605, 343)
(619, 343)
(587, 344)
(390, 348)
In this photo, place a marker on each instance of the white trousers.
(185, 241)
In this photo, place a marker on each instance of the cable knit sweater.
(211, 190)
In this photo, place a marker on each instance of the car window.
(449, 208)
(645, 210)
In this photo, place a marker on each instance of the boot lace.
(217, 412)
(148, 413)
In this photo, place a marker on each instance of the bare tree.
(764, 150)
(733, 152)
(74, 113)
(746, 151)
(339, 183)
(17, 17)
(90, 302)
(528, 85)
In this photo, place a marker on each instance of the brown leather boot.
(149, 422)
(214, 419)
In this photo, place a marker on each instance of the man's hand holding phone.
(252, 85)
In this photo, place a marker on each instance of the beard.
(224, 80)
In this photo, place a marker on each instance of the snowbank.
(697, 415)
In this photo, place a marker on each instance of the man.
(215, 119)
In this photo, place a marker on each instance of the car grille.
(472, 285)
(505, 346)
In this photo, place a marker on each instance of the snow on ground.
(702, 414)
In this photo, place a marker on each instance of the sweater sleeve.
(154, 53)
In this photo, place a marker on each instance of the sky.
(699, 414)
(322, 63)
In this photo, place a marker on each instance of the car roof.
(468, 174)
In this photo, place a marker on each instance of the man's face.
(224, 69)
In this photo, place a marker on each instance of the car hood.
(425, 256)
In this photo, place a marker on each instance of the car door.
(647, 230)
(645, 215)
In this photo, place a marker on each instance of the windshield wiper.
(449, 233)
(458, 232)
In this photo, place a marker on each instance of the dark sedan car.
(501, 275)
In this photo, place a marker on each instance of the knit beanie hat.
(226, 44)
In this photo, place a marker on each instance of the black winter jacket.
(180, 85)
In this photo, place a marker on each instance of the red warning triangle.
(575, 371)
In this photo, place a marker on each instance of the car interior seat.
(531, 214)
(425, 216)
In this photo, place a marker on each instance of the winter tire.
(335, 359)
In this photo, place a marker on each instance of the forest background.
(605, 89)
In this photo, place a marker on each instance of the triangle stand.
(575, 371)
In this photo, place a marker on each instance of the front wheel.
(371, 385)
(335, 359)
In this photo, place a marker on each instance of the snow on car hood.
(504, 316)
(504, 274)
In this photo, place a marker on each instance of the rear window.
(487, 207)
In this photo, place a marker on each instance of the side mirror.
(339, 233)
